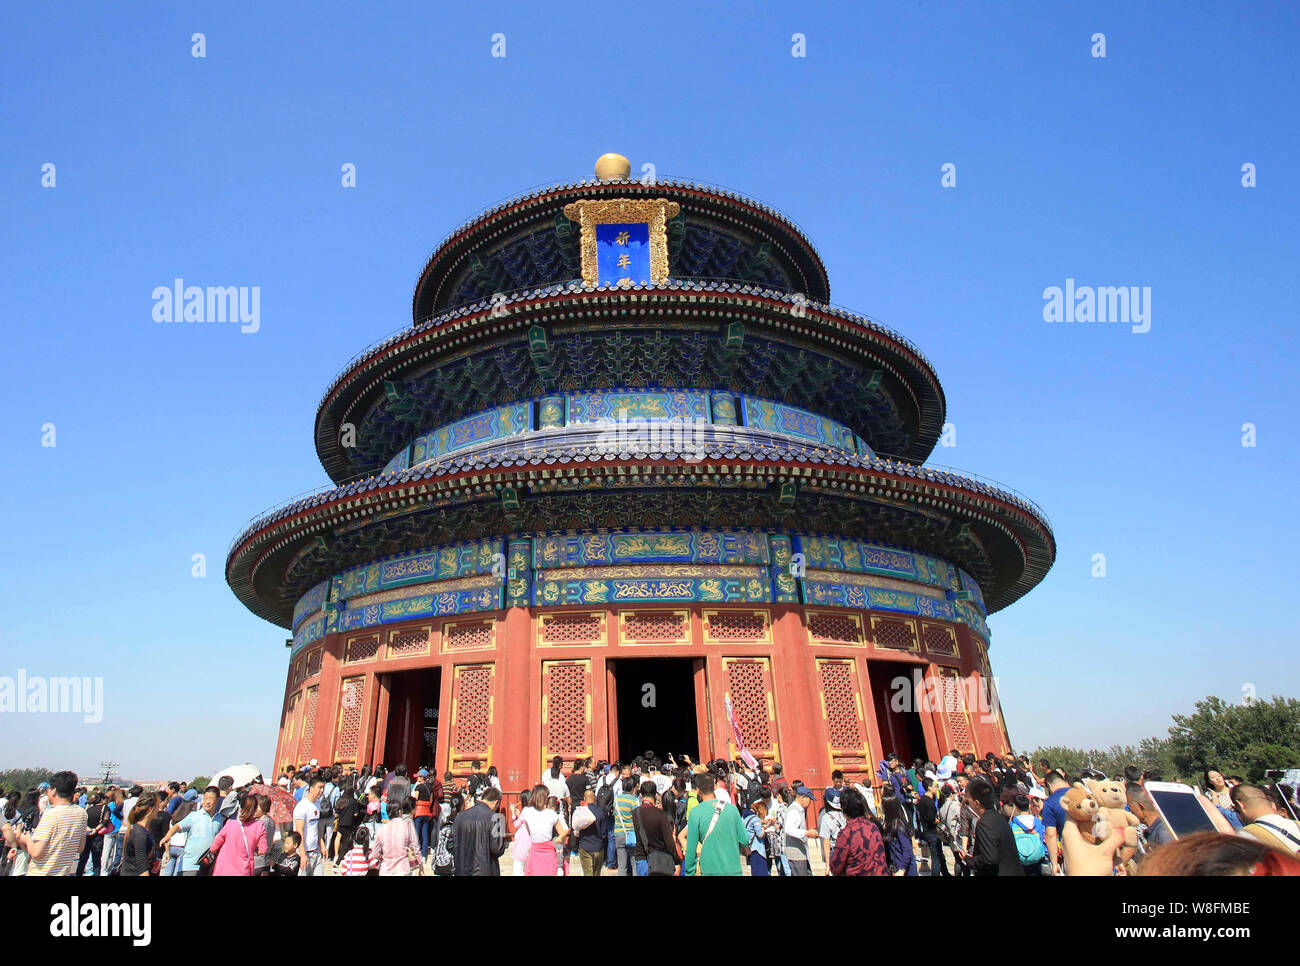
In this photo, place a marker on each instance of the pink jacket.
(388, 852)
(232, 859)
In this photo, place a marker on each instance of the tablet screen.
(1182, 812)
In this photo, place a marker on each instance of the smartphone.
(1185, 810)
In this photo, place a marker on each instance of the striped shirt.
(355, 862)
(63, 829)
(624, 805)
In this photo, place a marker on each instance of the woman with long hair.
(444, 857)
(898, 833)
(542, 825)
(1216, 788)
(138, 845)
(348, 814)
(240, 841)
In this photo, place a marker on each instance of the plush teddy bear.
(1111, 800)
(1081, 809)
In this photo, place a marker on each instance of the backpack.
(605, 799)
(1029, 844)
(326, 801)
(478, 784)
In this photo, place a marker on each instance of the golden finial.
(612, 167)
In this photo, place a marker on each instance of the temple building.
(629, 483)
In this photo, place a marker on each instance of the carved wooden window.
(741, 626)
(897, 635)
(566, 709)
(833, 628)
(352, 703)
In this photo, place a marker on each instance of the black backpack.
(605, 799)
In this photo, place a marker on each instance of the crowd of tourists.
(962, 816)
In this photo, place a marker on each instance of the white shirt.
(1275, 825)
(540, 825)
(556, 786)
(307, 813)
(796, 821)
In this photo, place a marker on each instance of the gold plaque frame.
(589, 213)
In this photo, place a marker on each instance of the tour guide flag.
(745, 756)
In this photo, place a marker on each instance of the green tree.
(24, 779)
(1246, 738)
(199, 782)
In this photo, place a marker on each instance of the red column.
(798, 712)
(516, 725)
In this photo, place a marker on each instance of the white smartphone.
(1185, 810)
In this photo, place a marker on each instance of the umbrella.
(282, 802)
(241, 775)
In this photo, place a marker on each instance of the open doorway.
(654, 708)
(896, 706)
(411, 737)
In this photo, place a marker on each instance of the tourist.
(290, 863)
(656, 835)
(589, 825)
(625, 803)
(993, 851)
(860, 847)
(229, 800)
(753, 814)
(1154, 831)
(829, 824)
(306, 822)
(541, 824)
(1028, 832)
(1217, 789)
(480, 836)
(1264, 817)
(138, 845)
(950, 826)
(716, 835)
(898, 833)
(197, 830)
(329, 796)
(426, 825)
(88, 863)
(240, 841)
(553, 779)
(444, 856)
(396, 849)
(57, 837)
(928, 825)
(796, 832)
(356, 861)
(111, 824)
(1054, 818)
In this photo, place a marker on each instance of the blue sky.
(225, 170)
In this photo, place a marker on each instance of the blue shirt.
(1053, 814)
(200, 829)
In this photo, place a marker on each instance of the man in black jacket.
(994, 851)
(480, 836)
